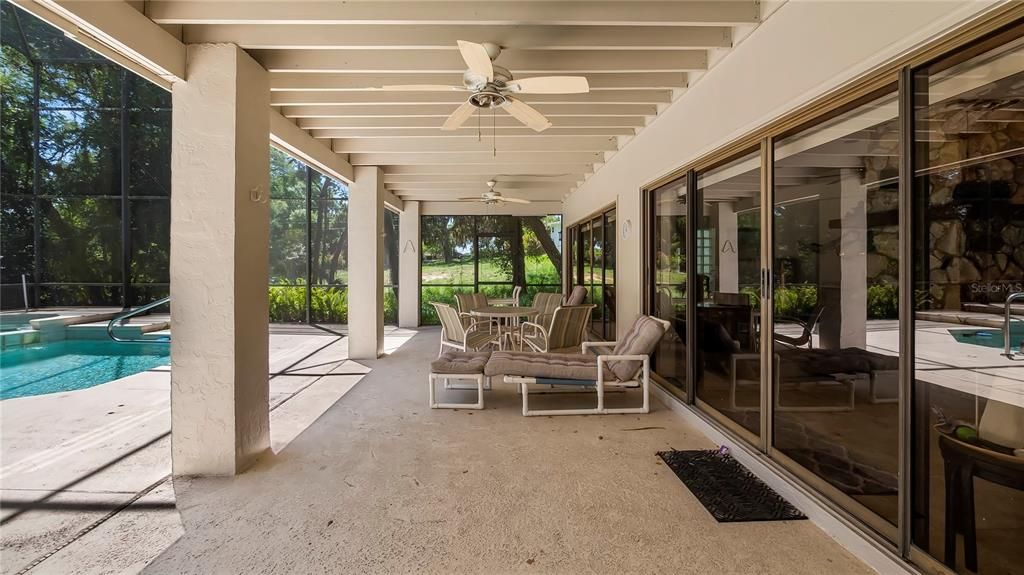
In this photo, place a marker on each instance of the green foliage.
(883, 301)
(797, 301)
(327, 304)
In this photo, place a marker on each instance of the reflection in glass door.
(835, 328)
(968, 253)
(728, 285)
(667, 213)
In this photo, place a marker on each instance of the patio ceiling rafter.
(337, 70)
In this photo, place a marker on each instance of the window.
(489, 254)
(593, 267)
(85, 177)
(308, 244)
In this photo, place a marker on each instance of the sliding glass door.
(728, 291)
(967, 411)
(836, 331)
(593, 267)
(667, 217)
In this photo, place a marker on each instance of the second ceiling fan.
(492, 86)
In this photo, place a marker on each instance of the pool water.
(990, 337)
(74, 364)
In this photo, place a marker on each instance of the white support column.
(220, 225)
(728, 250)
(409, 265)
(853, 247)
(366, 264)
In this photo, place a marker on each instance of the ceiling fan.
(493, 86)
(492, 196)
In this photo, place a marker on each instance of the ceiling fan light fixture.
(488, 98)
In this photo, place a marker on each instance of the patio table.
(508, 317)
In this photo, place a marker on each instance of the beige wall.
(803, 50)
(219, 260)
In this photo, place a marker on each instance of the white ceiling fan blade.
(473, 199)
(422, 88)
(550, 85)
(458, 117)
(527, 115)
(514, 200)
(477, 59)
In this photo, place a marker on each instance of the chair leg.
(952, 487)
(970, 532)
(526, 401)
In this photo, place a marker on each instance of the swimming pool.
(990, 337)
(74, 364)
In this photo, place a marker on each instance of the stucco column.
(220, 226)
(409, 270)
(366, 264)
(853, 248)
(728, 250)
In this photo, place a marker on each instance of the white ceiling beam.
(435, 132)
(524, 168)
(454, 208)
(288, 137)
(443, 179)
(381, 97)
(441, 187)
(118, 31)
(313, 82)
(535, 143)
(352, 37)
(521, 62)
(324, 126)
(477, 158)
(444, 110)
(538, 12)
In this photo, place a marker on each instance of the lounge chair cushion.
(641, 339)
(543, 365)
(460, 362)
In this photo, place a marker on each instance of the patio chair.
(456, 335)
(805, 336)
(514, 300)
(627, 366)
(577, 296)
(468, 302)
(564, 335)
(545, 304)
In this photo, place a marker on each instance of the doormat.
(726, 489)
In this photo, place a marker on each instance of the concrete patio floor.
(382, 484)
(85, 474)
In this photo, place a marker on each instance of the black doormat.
(728, 490)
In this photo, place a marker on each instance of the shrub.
(883, 301)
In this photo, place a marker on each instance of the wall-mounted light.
(627, 227)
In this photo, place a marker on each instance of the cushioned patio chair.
(565, 334)
(456, 335)
(468, 302)
(545, 304)
(514, 300)
(577, 296)
(627, 366)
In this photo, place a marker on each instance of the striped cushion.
(460, 362)
(641, 339)
(543, 365)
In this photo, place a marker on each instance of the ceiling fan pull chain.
(494, 137)
(479, 136)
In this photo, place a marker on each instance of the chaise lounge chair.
(627, 366)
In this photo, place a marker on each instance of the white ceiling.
(328, 59)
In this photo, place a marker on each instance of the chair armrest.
(601, 359)
(585, 346)
(538, 330)
(476, 325)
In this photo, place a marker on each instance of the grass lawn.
(538, 270)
